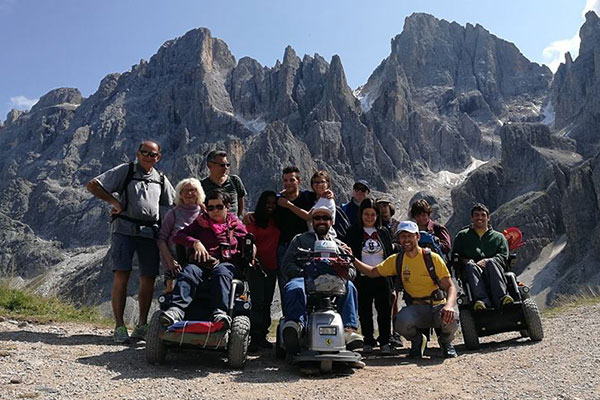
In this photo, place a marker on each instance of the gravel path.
(66, 361)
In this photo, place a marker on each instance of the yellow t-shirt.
(415, 278)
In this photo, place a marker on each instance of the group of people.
(209, 219)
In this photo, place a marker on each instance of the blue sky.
(45, 44)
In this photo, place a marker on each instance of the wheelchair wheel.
(237, 347)
(469, 329)
(533, 320)
(156, 351)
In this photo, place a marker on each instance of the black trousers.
(487, 284)
(262, 289)
(378, 290)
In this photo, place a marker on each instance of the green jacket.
(492, 244)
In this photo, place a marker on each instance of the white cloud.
(554, 53)
(22, 102)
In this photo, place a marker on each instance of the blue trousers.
(194, 282)
(294, 299)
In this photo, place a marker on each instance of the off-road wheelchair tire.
(533, 320)
(156, 351)
(469, 329)
(237, 347)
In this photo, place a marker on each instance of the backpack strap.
(398, 283)
(123, 190)
(430, 266)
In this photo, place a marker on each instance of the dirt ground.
(65, 361)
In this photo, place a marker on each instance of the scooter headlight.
(328, 330)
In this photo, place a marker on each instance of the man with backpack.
(140, 191)
(219, 178)
(426, 280)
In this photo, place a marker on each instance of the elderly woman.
(189, 195)
(214, 235)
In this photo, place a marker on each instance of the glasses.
(222, 165)
(319, 182)
(322, 218)
(147, 153)
(190, 191)
(215, 207)
(361, 189)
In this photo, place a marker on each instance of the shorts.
(123, 247)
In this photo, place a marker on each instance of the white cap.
(321, 208)
(407, 226)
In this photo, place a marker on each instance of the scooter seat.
(196, 326)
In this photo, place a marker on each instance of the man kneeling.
(214, 236)
(294, 292)
(423, 276)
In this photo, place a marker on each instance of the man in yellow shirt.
(423, 281)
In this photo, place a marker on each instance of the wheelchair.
(196, 331)
(522, 316)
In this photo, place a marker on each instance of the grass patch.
(24, 304)
(564, 303)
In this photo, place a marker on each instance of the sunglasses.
(147, 153)
(216, 207)
(222, 165)
(185, 191)
(322, 218)
(361, 189)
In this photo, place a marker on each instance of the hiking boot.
(220, 315)
(120, 335)
(353, 339)
(417, 348)
(367, 349)
(448, 350)
(385, 349)
(291, 336)
(172, 315)
(479, 305)
(506, 300)
(139, 332)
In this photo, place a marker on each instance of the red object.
(514, 237)
(196, 326)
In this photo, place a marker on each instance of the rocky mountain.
(436, 107)
(547, 181)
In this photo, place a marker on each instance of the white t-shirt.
(372, 250)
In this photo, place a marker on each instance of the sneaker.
(220, 315)
(507, 300)
(291, 336)
(385, 349)
(448, 350)
(120, 335)
(367, 349)
(172, 315)
(396, 341)
(353, 339)
(418, 347)
(479, 305)
(139, 332)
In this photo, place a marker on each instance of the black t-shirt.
(289, 223)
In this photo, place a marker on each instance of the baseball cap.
(361, 182)
(407, 226)
(321, 208)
